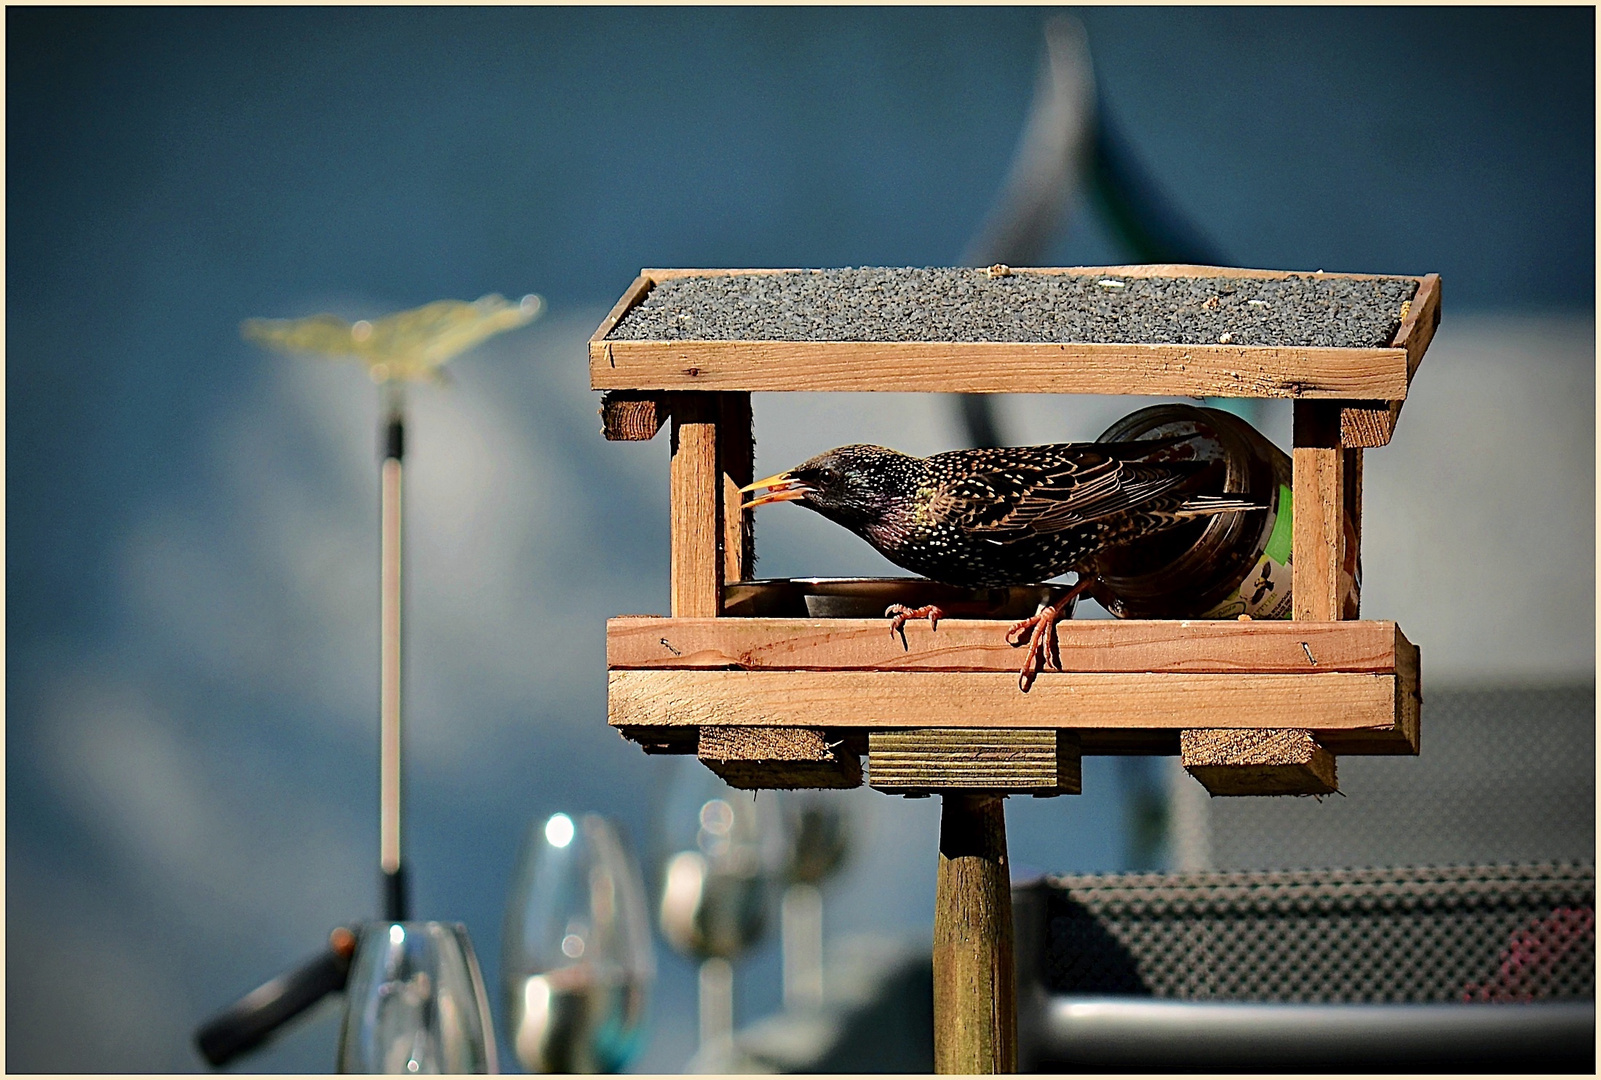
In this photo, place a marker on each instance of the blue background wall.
(190, 580)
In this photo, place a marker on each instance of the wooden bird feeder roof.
(1171, 330)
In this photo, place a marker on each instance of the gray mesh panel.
(1484, 933)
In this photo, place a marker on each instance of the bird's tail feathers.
(1208, 505)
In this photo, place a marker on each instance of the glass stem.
(716, 1003)
(801, 928)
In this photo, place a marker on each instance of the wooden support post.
(735, 455)
(695, 496)
(1326, 507)
(975, 988)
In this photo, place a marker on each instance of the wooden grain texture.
(1331, 701)
(1087, 645)
(1264, 762)
(975, 983)
(1000, 367)
(626, 416)
(1408, 734)
(735, 457)
(1327, 506)
(1422, 319)
(1372, 423)
(788, 758)
(1038, 761)
(1368, 423)
(633, 295)
(694, 495)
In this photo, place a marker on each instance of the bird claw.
(1042, 645)
(1042, 642)
(898, 614)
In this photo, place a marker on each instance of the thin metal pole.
(389, 665)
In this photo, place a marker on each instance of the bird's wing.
(1067, 490)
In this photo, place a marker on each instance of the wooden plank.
(1267, 762)
(1422, 319)
(1148, 742)
(1087, 645)
(1406, 738)
(634, 294)
(1368, 423)
(1000, 367)
(1372, 423)
(788, 758)
(1038, 761)
(627, 416)
(735, 456)
(1332, 701)
(1325, 529)
(975, 983)
(1137, 270)
(694, 493)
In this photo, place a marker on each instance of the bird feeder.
(1251, 707)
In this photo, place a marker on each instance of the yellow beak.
(782, 488)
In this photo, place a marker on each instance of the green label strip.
(1282, 542)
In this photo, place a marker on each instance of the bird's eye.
(827, 477)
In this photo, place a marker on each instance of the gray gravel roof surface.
(966, 304)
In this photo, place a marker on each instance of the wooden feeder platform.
(818, 693)
(1251, 707)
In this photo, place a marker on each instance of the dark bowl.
(866, 598)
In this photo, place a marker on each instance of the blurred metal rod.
(389, 666)
(1152, 1035)
(251, 1020)
(1048, 168)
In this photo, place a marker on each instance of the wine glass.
(817, 822)
(415, 1003)
(726, 852)
(576, 960)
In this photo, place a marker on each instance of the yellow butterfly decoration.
(408, 345)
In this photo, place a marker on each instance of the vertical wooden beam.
(736, 453)
(695, 497)
(1327, 506)
(975, 988)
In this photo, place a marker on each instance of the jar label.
(1265, 592)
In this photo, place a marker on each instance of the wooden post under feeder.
(1251, 708)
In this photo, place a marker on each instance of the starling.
(1003, 516)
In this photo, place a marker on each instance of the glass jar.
(1218, 567)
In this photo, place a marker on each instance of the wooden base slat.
(767, 757)
(1263, 762)
(1087, 645)
(1332, 701)
(1035, 761)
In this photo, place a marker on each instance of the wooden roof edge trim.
(1417, 329)
(635, 293)
(1127, 270)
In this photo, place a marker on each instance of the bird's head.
(853, 485)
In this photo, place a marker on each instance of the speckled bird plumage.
(1003, 516)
